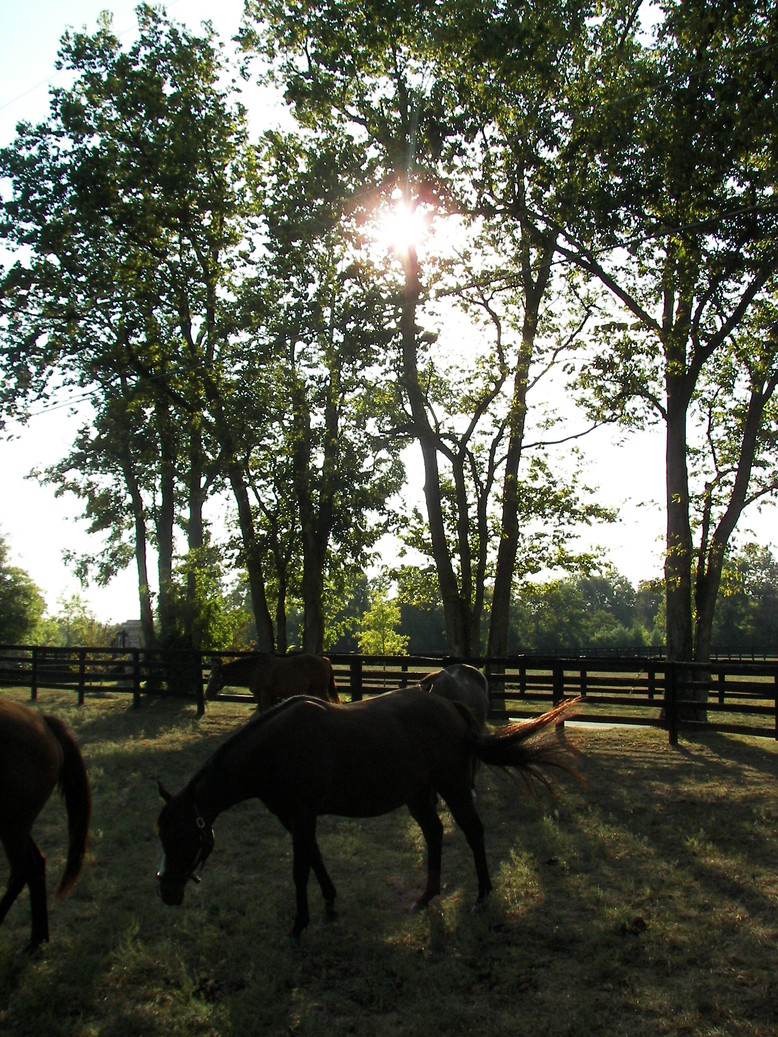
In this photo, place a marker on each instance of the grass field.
(646, 903)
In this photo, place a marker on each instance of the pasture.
(646, 903)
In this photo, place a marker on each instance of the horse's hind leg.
(466, 817)
(424, 811)
(36, 880)
(16, 883)
(28, 868)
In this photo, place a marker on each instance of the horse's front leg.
(423, 810)
(325, 882)
(263, 697)
(305, 852)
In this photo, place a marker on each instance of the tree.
(747, 616)
(588, 614)
(408, 91)
(233, 342)
(120, 216)
(21, 602)
(378, 633)
(75, 624)
(321, 332)
(132, 216)
(681, 231)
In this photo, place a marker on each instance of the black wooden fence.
(725, 695)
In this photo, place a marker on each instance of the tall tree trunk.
(252, 559)
(165, 524)
(315, 515)
(711, 558)
(313, 592)
(678, 547)
(252, 554)
(141, 552)
(195, 539)
(456, 611)
(534, 291)
(509, 521)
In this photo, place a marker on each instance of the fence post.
(495, 675)
(135, 678)
(197, 666)
(558, 688)
(34, 676)
(81, 675)
(355, 678)
(671, 701)
(558, 693)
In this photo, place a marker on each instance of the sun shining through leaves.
(401, 226)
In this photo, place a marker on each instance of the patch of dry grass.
(646, 903)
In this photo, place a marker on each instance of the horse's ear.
(167, 796)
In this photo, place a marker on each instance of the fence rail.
(724, 695)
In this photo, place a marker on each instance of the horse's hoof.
(297, 930)
(480, 904)
(417, 907)
(330, 913)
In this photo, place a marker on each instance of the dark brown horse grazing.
(36, 753)
(306, 757)
(464, 684)
(271, 677)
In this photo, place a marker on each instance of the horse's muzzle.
(171, 893)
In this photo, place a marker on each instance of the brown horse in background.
(36, 753)
(306, 758)
(272, 677)
(464, 684)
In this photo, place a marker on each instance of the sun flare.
(400, 227)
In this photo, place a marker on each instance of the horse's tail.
(74, 786)
(531, 746)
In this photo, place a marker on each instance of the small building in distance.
(129, 635)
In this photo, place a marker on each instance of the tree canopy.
(21, 601)
(596, 185)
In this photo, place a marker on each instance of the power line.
(120, 35)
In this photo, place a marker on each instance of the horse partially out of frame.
(36, 753)
(273, 677)
(461, 683)
(466, 685)
(306, 757)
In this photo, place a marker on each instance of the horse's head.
(186, 844)
(215, 680)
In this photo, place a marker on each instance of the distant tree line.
(593, 613)
(583, 614)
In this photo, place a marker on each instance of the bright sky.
(38, 527)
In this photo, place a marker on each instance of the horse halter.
(207, 839)
(205, 844)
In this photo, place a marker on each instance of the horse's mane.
(216, 760)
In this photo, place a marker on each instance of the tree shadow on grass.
(615, 907)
